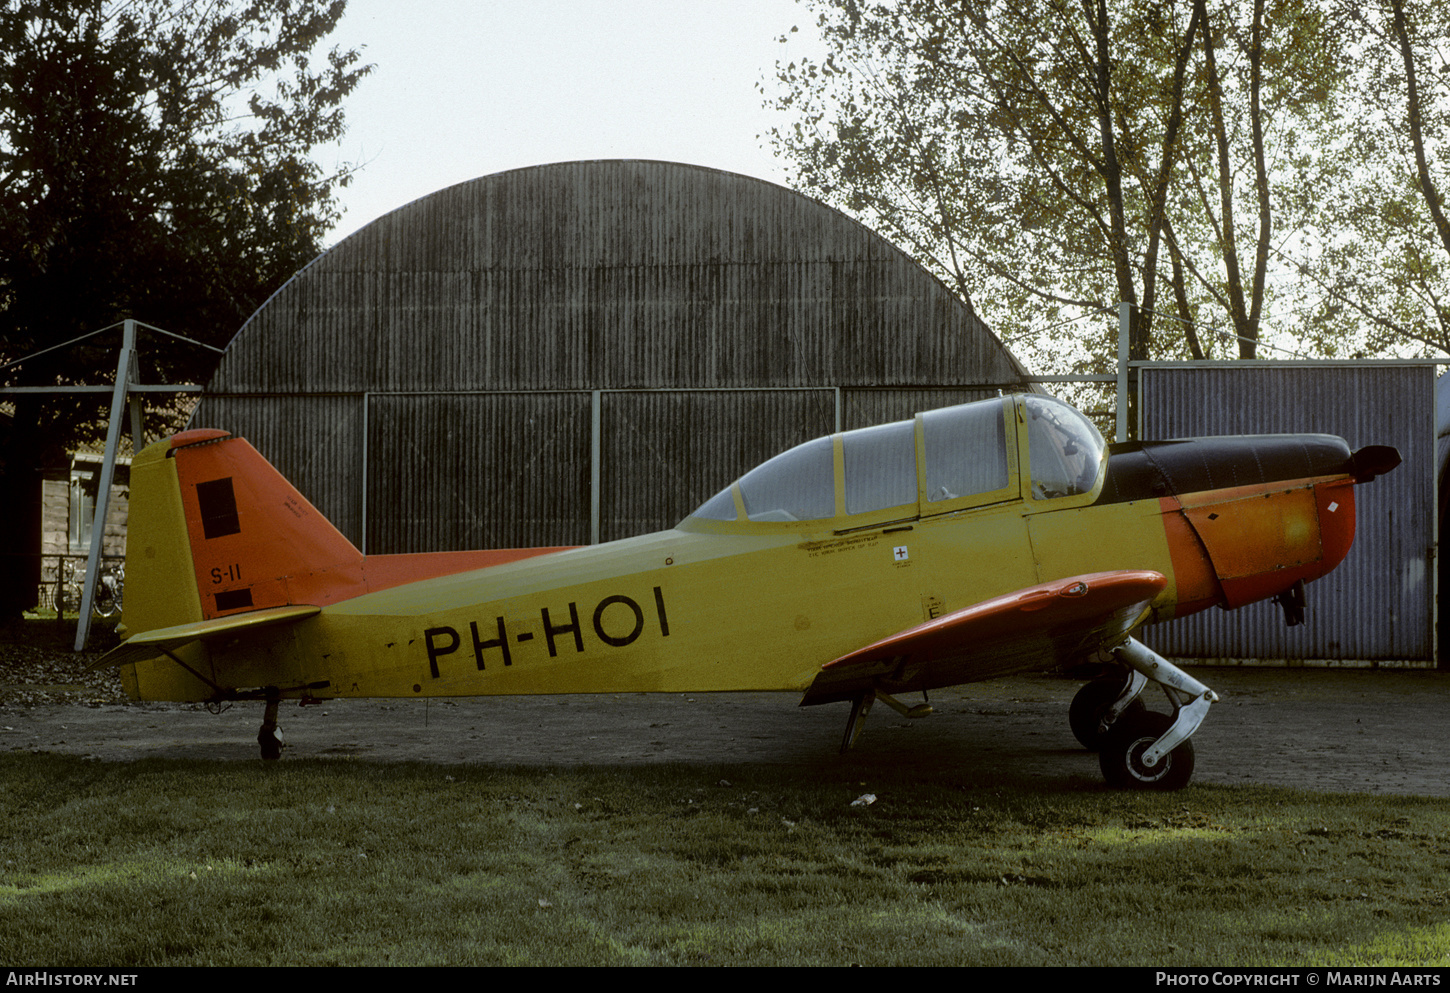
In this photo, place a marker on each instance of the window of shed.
(966, 450)
(798, 485)
(880, 464)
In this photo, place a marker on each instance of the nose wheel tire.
(1088, 706)
(1121, 755)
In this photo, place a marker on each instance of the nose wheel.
(1143, 749)
(1126, 754)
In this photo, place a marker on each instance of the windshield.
(798, 485)
(1065, 448)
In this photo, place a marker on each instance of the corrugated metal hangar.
(584, 351)
(1378, 606)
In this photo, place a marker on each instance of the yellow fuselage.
(679, 610)
(242, 588)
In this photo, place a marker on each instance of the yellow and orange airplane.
(964, 544)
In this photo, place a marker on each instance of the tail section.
(216, 531)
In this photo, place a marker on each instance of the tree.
(155, 162)
(1383, 276)
(1049, 158)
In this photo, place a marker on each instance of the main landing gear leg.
(860, 707)
(1146, 750)
(270, 736)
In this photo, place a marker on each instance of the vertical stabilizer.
(215, 530)
(160, 576)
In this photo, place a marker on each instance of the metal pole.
(1124, 314)
(596, 469)
(124, 366)
(138, 409)
(362, 538)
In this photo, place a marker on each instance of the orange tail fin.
(215, 531)
(255, 541)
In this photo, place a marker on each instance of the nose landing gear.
(1138, 748)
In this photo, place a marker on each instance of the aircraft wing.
(1039, 626)
(156, 643)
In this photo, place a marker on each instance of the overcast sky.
(464, 89)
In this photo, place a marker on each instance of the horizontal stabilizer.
(156, 643)
(1036, 627)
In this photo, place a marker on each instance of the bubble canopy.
(938, 462)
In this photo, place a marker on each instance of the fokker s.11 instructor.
(964, 544)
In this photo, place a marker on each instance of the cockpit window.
(880, 466)
(966, 450)
(1065, 448)
(720, 507)
(798, 485)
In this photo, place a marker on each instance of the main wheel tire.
(1123, 748)
(270, 740)
(1088, 707)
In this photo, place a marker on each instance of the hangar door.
(1379, 605)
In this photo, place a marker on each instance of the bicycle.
(107, 601)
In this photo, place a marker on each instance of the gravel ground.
(1336, 730)
(48, 673)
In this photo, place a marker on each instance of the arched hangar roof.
(519, 344)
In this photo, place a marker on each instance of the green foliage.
(155, 162)
(1380, 279)
(194, 863)
(1212, 163)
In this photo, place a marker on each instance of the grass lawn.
(334, 862)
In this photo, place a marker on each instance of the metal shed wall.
(438, 380)
(1379, 605)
